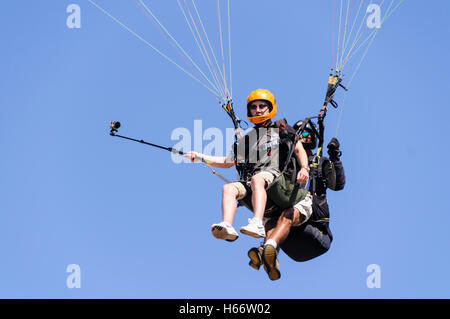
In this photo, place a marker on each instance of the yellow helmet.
(264, 95)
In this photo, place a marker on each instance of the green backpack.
(285, 193)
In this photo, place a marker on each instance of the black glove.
(333, 149)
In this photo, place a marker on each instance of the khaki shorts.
(268, 177)
(304, 207)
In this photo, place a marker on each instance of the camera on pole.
(114, 127)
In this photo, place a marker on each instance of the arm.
(340, 175)
(302, 159)
(335, 153)
(216, 161)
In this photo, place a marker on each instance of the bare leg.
(270, 228)
(259, 196)
(290, 217)
(229, 204)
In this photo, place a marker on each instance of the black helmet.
(307, 130)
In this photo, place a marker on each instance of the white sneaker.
(224, 231)
(255, 228)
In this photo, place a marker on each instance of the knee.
(287, 217)
(229, 190)
(258, 181)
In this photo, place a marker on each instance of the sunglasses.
(305, 134)
(262, 107)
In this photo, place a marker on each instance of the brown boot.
(271, 266)
(255, 255)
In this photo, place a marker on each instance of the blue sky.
(138, 225)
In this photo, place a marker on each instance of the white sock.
(271, 242)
